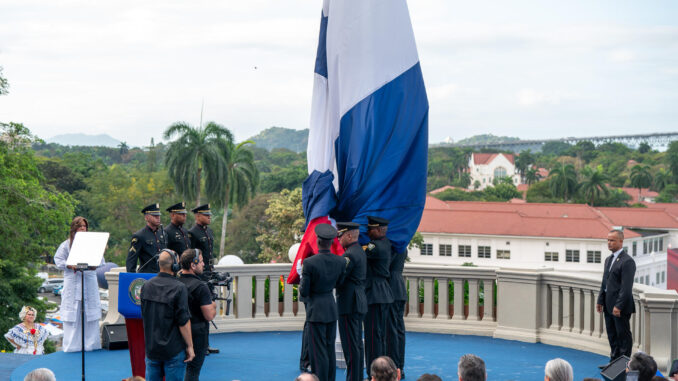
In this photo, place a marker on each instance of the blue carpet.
(275, 356)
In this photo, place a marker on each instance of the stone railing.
(531, 305)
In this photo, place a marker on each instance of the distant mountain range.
(281, 137)
(101, 140)
(486, 139)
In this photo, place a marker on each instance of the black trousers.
(375, 325)
(321, 338)
(395, 333)
(200, 333)
(618, 334)
(304, 361)
(351, 334)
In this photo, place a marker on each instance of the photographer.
(201, 306)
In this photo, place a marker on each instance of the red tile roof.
(644, 192)
(670, 208)
(647, 218)
(522, 187)
(446, 187)
(486, 158)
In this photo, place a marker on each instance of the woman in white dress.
(71, 302)
(27, 337)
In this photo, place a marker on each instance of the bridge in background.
(657, 140)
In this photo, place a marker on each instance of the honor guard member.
(377, 288)
(202, 238)
(177, 235)
(395, 322)
(202, 307)
(351, 300)
(147, 243)
(320, 274)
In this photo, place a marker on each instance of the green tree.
(644, 147)
(244, 228)
(33, 222)
(661, 179)
(669, 194)
(16, 136)
(592, 186)
(555, 148)
(197, 150)
(241, 181)
(4, 85)
(672, 160)
(641, 177)
(563, 180)
(501, 192)
(524, 161)
(286, 221)
(531, 176)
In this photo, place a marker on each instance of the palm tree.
(563, 180)
(531, 176)
(641, 177)
(124, 148)
(593, 184)
(661, 179)
(240, 182)
(196, 150)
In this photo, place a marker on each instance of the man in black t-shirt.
(167, 325)
(202, 308)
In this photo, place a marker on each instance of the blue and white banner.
(369, 119)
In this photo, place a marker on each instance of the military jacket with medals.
(146, 243)
(377, 288)
(351, 293)
(202, 238)
(178, 238)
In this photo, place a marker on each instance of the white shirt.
(614, 257)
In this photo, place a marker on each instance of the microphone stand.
(82, 267)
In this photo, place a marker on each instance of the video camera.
(218, 279)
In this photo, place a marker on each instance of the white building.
(485, 167)
(567, 237)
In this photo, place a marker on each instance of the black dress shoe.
(212, 350)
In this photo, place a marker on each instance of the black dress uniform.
(321, 273)
(378, 292)
(352, 306)
(202, 237)
(177, 236)
(146, 245)
(395, 322)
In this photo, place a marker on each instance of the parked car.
(57, 289)
(49, 284)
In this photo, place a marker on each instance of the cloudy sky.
(533, 69)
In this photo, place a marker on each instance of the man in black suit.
(616, 296)
(320, 274)
(178, 238)
(377, 288)
(395, 322)
(351, 300)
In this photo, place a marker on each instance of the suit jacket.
(377, 289)
(351, 293)
(616, 289)
(178, 238)
(396, 280)
(320, 274)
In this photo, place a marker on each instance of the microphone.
(148, 261)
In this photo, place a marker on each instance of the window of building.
(445, 250)
(647, 280)
(593, 256)
(657, 274)
(571, 255)
(551, 256)
(427, 249)
(484, 252)
(635, 280)
(663, 276)
(465, 251)
(656, 245)
(503, 254)
(661, 244)
(644, 246)
(635, 248)
(499, 172)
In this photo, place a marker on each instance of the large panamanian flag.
(368, 138)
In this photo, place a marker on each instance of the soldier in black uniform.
(147, 243)
(395, 322)
(202, 238)
(202, 307)
(377, 288)
(177, 235)
(320, 274)
(351, 300)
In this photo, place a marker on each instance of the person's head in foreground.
(306, 377)
(471, 368)
(644, 364)
(558, 370)
(40, 374)
(429, 377)
(384, 369)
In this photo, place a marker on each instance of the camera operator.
(201, 306)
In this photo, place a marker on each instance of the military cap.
(153, 210)
(373, 221)
(179, 208)
(343, 227)
(325, 231)
(203, 209)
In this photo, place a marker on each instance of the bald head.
(306, 377)
(165, 262)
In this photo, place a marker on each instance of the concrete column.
(428, 298)
(287, 301)
(577, 311)
(589, 311)
(598, 320)
(112, 316)
(517, 287)
(443, 299)
(259, 299)
(488, 290)
(413, 297)
(661, 325)
(473, 300)
(244, 296)
(556, 304)
(567, 309)
(458, 299)
(273, 292)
